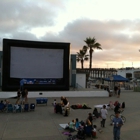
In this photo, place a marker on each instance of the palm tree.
(82, 56)
(91, 45)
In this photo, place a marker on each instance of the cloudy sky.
(114, 23)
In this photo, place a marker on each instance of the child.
(16, 106)
(77, 124)
(72, 126)
(54, 102)
(94, 131)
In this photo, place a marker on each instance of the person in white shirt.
(103, 115)
(54, 102)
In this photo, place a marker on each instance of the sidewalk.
(43, 123)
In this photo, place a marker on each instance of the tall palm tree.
(82, 56)
(91, 45)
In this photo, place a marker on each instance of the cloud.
(118, 38)
(25, 15)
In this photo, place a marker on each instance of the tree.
(91, 44)
(82, 56)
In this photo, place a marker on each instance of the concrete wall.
(81, 79)
(31, 94)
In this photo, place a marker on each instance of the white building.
(129, 72)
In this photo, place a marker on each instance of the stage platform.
(35, 94)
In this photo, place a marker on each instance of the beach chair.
(10, 108)
(88, 131)
(19, 109)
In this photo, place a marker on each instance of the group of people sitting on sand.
(83, 127)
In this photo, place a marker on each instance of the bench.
(41, 101)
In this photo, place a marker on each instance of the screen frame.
(8, 43)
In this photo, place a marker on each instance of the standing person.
(26, 95)
(103, 115)
(115, 90)
(65, 105)
(18, 95)
(117, 122)
(65, 102)
(119, 91)
(23, 94)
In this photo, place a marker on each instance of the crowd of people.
(76, 125)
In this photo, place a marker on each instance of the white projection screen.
(36, 62)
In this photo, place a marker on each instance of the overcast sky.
(114, 23)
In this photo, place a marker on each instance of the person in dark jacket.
(119, 91)
(18, 95)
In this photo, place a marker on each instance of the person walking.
(103, 115)
(119, 91)
(115, 90)
(117, 123)
(23, 94)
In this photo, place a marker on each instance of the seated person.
(96, 113)
(90, 118)
(88, 127)
(16, 106)
(77, 124)
(6, 102)
(2, 106)
(88, 122)
(71, 126)
(116, 102)
(58, 108)
(111, 105)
